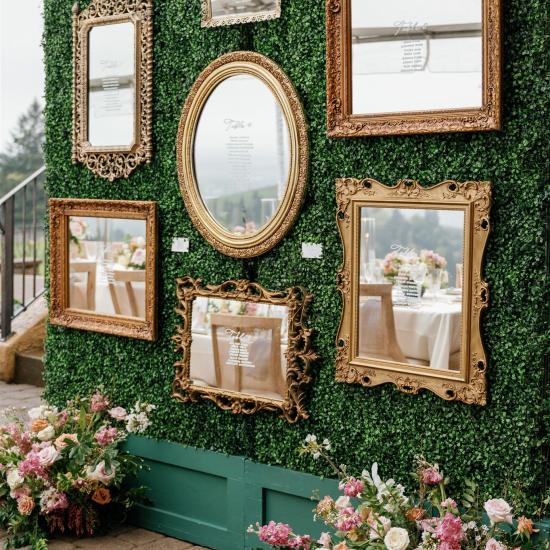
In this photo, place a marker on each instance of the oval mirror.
(243, 154)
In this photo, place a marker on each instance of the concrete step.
(29, 368)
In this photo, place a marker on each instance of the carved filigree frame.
(114, 162)
(341, 122)
(208, 20)
(272, 75)
(60, 311)
(299, 354)
(474, 199)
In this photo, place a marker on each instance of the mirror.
(232, 12)
(242, 154)
(236, 347)
(445, 52)
(244, 129)
(112, 100)
(411, 278)
(103, 266)
(111, 85)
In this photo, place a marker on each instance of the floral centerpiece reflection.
(133, 253)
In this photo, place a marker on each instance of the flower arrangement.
(432, 259)
(77, 231)
(374, 514)
(133, 253)
(394, 261)
(62, 471)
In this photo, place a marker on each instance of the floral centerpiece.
(133, 253)
(432, 259)
(77, 231)
(394, 261)
(63, 471)
(373, 514)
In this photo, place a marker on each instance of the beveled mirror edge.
(342, 123)
(114, 162)
(474, 195)
(207, 20)
(60, 313)
(300, 355)
(274, 231)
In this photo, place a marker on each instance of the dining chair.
(127, 277)
(377, 337)
(89, 268)
(253, 367)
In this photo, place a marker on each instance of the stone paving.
(124, 538)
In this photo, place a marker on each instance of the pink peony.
(431, 476)
(118, 413)
(99, 402)
(275, 533)
(493, 544)
(105, 436)
(449, 532)
(352, 487)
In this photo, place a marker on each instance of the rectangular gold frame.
(341, 122)
(474, 199)
(207, 20)
(299, 354)
(114, 162)
(60, 312)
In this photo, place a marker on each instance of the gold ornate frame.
(341, 122)
(207, 20)
(60, 312)
(272, 75)
(299, 354)
(114, 162)
(474, 199)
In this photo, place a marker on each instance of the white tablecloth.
(430, 333)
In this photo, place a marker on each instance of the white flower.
(46, 434)
(118, 413)
(379, 527)
(137, 423)
(100, 473)
(48, 456)
(44, 412)
(498, 511)
(342, 502)
(14, 479)
(326, 444)
(325, 540)
(311, 438)
(397, 538)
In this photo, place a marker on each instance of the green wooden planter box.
(210, 499)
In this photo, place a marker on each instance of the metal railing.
(23, 248)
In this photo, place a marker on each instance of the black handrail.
(16, 234)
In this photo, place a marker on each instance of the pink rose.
(493, 544)
(498, 511)
(100, 473)
(431, 476)
(61, 441)
(118, 413)
(25, 505)
(47, 456)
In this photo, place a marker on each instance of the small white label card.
(180, 244)
(312, 251)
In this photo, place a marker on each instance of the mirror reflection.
(221, 8)
(416, 55)
(239, 346)
(242, 154)
(410, 288)
(111, 85)
(107, 265)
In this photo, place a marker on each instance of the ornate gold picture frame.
(343, 122)
(141, 326)
(299, 354)
(113, 161)
(263, 11)
(249, 64)
(473, 201)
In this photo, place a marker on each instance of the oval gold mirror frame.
(277, 81)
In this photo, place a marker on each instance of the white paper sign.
(180, 244)
(312, 251)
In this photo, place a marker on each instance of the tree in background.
(23, 155)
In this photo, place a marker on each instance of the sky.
(21, 61)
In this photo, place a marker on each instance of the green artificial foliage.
(501, 445)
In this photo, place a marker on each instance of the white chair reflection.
(265, 377)
(378, 339)
(82, 292)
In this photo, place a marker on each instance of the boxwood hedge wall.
(500, 445)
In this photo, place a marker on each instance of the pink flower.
(275, 533)
(449, 532)
(301, 541)
(138, 257)
(21, 439)
(448, 503)
(52, 500)
(25, 505)
(493, 544)
(348, 519)
(352, 487)
(431, 476)
(61, 441)
(22, 491)
(105, 436)
(99, 402)
(325, 539)
(100, 473)
(47, 456)
(31, 466)
(118, 413)
(498, 510)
